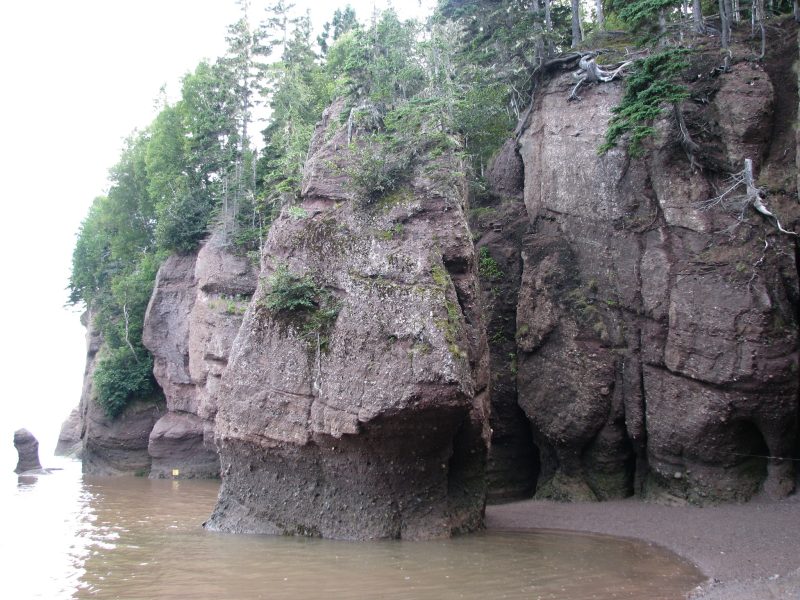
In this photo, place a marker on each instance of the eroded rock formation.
(27, 451)
(112, 446)
(657, 342)
(108, 446)
(191, 321)
(628, 339)
(375, 423)
(69, 438)
(119, 446)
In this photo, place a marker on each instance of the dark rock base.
(392, 482)
(119, 446)
(181, 446)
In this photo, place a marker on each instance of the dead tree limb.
(754, 196)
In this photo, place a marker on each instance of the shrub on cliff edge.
(310, 308)
(290, 292)
(122, 376)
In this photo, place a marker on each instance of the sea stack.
(28, 450)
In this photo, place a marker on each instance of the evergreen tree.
(600, 15)
(245, 61)
(697, 16)
(342, 22)
(511, 40)
(297, 93)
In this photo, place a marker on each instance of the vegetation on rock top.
(455, 84)
(649, 89)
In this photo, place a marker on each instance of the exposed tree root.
(687, 143)
(537, 73)
(590, 72)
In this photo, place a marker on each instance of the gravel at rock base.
(748, 551)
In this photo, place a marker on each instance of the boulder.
(506, 173)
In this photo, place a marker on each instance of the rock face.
(110, 447)
(191, 321)
(366, 417)
(610, 333)
(27, 451)
(69, 439)
(119, 446)
(193, 316)
(657, 342)
(499, 221)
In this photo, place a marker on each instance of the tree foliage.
(649, 89)
(290, 292)
(298, 92)
(118, 379)
(114, 266)
(310, 308)
(344, 20)
(645, 12)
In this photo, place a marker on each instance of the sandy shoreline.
(748, 551)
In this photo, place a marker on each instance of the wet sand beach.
(748, 551)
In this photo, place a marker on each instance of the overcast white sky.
(78, 77)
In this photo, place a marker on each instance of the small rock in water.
(28, 450)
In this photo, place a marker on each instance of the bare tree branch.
(753, 196)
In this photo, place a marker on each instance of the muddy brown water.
(69, 536)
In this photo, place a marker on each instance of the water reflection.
(26, 480)
(136, 538)
(44, 544)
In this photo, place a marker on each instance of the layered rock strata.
(366, 416)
